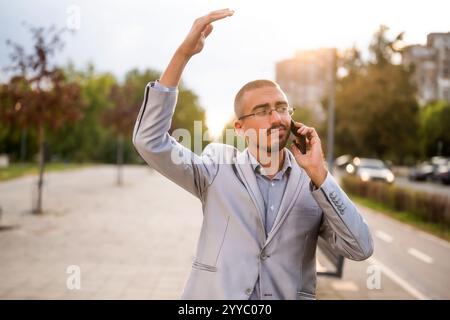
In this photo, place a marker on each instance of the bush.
(425, 206)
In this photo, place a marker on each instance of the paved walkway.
(131, 242)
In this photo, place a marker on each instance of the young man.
(263, 208)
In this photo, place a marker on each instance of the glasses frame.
(290, 112)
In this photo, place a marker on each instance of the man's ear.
(238, 128)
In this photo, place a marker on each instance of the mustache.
(279, 127)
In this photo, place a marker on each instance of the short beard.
(278, 146)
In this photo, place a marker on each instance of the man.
(263, 208)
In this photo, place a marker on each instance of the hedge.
(428, 207)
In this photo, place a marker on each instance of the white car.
(370, 169)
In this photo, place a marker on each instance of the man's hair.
(255, 84)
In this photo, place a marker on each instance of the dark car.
(441, 166)
(434, 170)
(442, 174)
(421, 172)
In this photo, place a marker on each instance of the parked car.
(421, 172)
(440, 166)
(435, 169)
(442, 174)
(368, 169)
(342, 161)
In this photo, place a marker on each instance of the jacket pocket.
(212, 240)
(301, 295)
(204, 267)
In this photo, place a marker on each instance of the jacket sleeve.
(164, 153)
(342, 225)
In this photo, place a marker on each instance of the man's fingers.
(217, 16)
(308, 131)
(297, 153)
(201, 23)
(208, 30)
(221, 11)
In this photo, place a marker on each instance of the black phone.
(300, 140)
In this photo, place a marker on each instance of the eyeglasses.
(282, 110)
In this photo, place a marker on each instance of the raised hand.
(192, 44)
(202, 27)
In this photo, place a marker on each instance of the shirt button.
(272, 184)
(271, 207)
(263, 256)
(249, 291)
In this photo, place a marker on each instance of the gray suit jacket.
(233, 251)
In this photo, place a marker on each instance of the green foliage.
(377, 115)
(425, 208)
(24, 169)
(91, 139)
(376, 111)
(435, 129)
(86, 140)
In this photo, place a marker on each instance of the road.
(138, 241)
(426, 186)
(417, 261)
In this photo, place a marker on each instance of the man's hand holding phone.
(312, 160)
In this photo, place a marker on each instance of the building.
(306, 78)
(431, 65)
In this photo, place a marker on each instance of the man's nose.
(274, 117)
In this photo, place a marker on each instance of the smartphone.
(299, 140)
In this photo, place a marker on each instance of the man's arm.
(342, 225)
(150, 136)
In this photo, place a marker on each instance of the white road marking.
(420, 255)
(382, 218)
(397, 279)
(384, 236)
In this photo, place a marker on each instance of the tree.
(39, 95)
(87, 140)
(188, 108)
(376, 111)
(434, 129)
(121, 119)
(383, 49)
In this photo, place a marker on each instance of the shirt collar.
(257, 168)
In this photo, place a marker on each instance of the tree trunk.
(120, 156)
(41, 140)
(23, 145)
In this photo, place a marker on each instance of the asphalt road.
(417, 261)
(426, 186)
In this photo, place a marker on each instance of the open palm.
(202, 27)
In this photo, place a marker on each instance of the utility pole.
(331, 93)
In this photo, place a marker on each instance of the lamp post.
(331, 92)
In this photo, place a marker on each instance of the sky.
(117, 36)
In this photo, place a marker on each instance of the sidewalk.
(131, 242)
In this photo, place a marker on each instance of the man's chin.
(276, 147)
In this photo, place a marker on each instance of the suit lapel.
(248, 177)
(293, 188)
